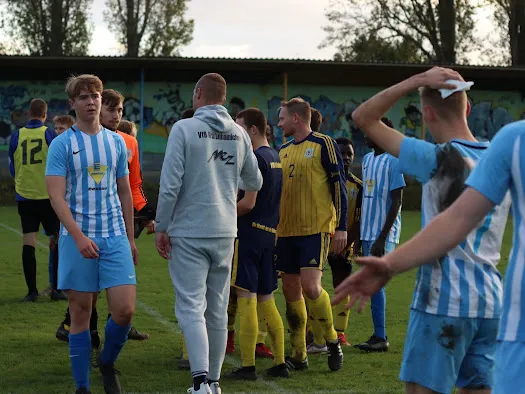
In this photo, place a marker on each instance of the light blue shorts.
(442, 352)
(509, 376)
(114, 267)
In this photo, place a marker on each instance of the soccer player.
(380, 225)
(313, 206)
(88, 184)
(457, 299)
(196, 217)
(28, 153)
(253, 273)
(63, 122)
(127, 127)
(110, 117)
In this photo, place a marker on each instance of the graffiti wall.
(164, 103)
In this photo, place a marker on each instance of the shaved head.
(454, 106)
(213, 88)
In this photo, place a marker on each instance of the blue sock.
(80, 356)
(51, 268)
(378, 305)
(116, 337)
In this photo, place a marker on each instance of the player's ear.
(468, 107)
(429, 113)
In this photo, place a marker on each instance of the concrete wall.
(165, 101)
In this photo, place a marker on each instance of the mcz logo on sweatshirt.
(223, 156)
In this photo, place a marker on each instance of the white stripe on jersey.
(514, 312)
(104, 193)
(92, 207)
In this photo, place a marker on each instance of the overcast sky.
(241, 28)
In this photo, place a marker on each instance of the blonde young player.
(313, 207)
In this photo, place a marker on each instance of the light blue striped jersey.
(465, 282)
(503, 168)
(380, 175)
(91, 165)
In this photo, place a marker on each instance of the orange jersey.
(135, 175)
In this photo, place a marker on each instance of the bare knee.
(29, 239)
(414, 388)
(123, 315)
(292, 287)
(312, 289)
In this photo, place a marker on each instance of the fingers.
(366, 260)
(89, 251)
(135, 254)
(362, 303)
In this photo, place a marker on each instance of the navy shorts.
(293, 254)
(253, 267)
(34, 212)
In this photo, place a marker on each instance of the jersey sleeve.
(358, 204)
(135, 178)
(397, 180)
(50, 135)
(418, 158)
(492, 176)
(13, 143)
(332, 162)
(122, 160)
(56, 164)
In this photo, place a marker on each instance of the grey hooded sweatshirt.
(205, 157)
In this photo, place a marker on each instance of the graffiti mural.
(164, 103)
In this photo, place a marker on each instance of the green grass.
(33, 361)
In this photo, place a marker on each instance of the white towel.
(460, 87)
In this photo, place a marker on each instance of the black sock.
(93, 320)
(55, 269)
(198, 380)
(29, 263)
(67, 319)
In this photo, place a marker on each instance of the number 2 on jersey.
(36, 149)
(292, 168)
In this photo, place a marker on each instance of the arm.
(13, 143)
(355, 231)
(126, 201)
(368, 115)
(170, 179)
(246, 204)
(135, 179)
(332, 162)
(250, 175)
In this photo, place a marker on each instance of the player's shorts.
(442, 352)
(367, 245)
(34, 212)
(508, 370)
(293, 254)
(114, 267)
(253, 267)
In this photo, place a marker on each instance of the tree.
(375, 49)
(510, 17)
(150, 27)
(48, 27)
(438, 29)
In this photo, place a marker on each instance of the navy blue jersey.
(265, 214)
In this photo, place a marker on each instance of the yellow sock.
(275, 329)
(232, 309)
(261, 338)
(322, 312)
(296, 316)
(341, 315)
(248, 330)
(185, 350)
(315, 326)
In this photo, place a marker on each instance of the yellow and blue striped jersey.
(354, 189)
(314, 198)
(27, 160)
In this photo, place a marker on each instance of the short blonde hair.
(300, 107)
(89, 82)
(66, 119)
(127, 127)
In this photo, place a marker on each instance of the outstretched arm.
(368, 115)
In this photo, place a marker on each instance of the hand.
(151, 227)
(134, 252)
(339, 242)
(162, 242)
(88, 249)
(374, 275)
(378, 248)
(435, 78)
